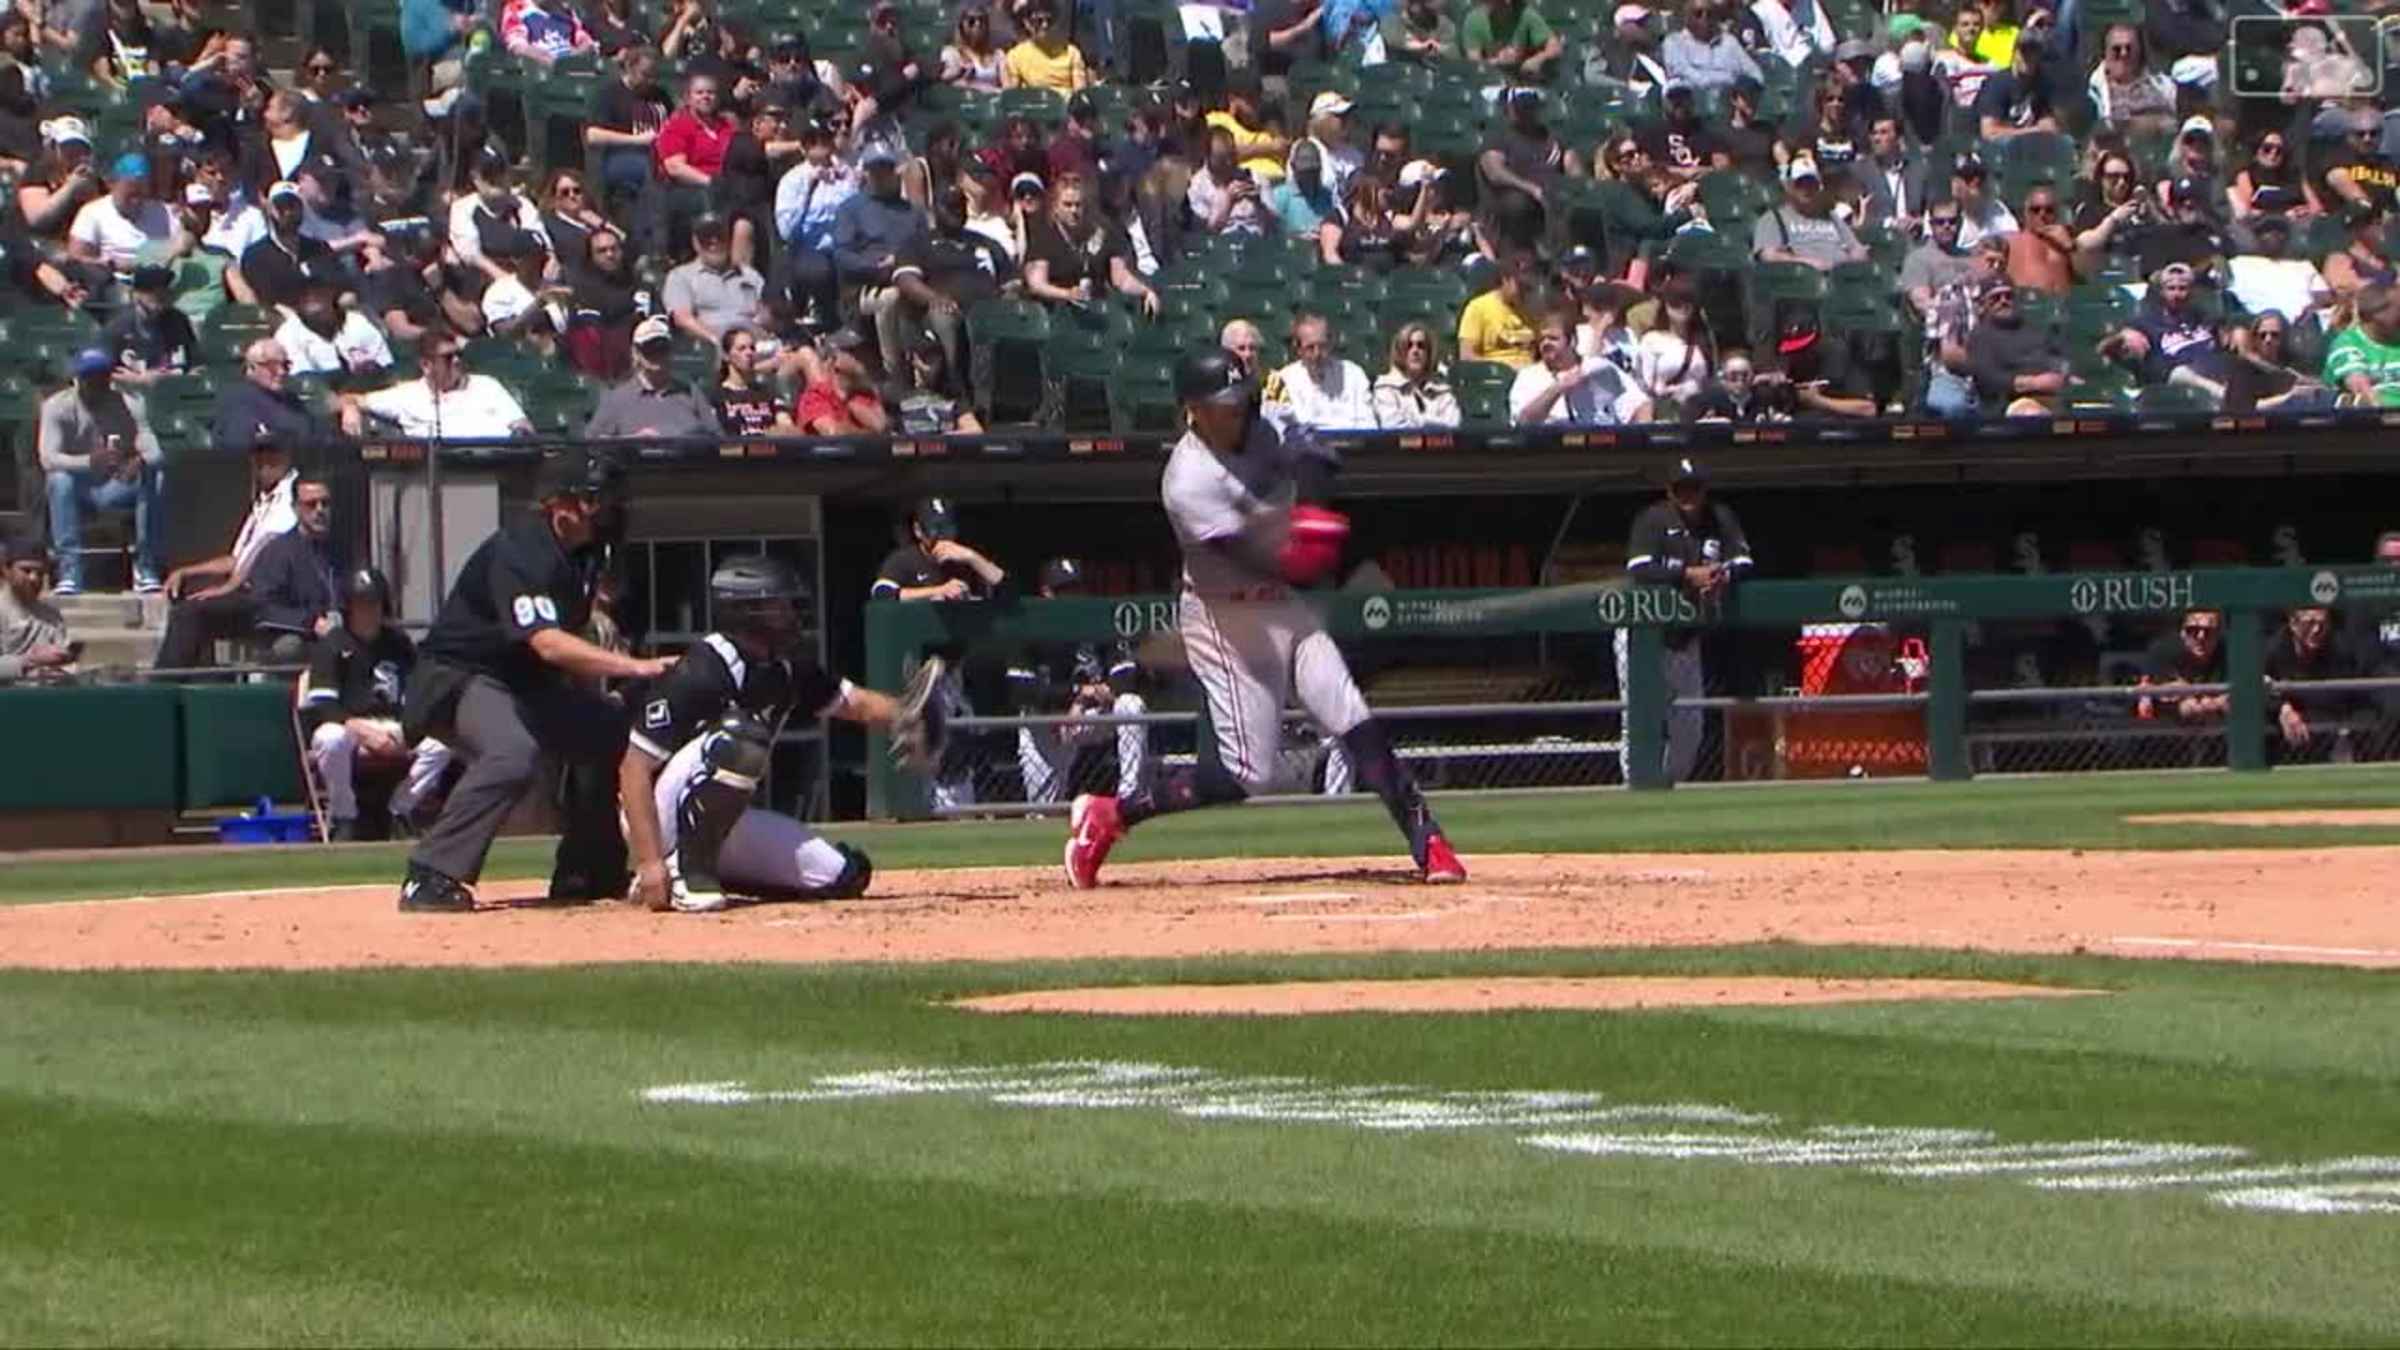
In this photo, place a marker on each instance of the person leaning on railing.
(34, 646)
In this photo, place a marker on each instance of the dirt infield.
(2326, 906)
(1489, 994)
(2287, 818)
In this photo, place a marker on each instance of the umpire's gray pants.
(502, 734)
(1684, 725)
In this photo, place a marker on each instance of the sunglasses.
(2266, 333)
(322, 68)
(2120, 51)
(2118, 174)
(2199, 630)
(1416, 345)
(2041, 208)
(570, 190)
(1940, 221)
(2270, 147)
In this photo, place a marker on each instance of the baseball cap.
(355, 97)
(128, 166)
(492, 162)
(1061, 573)
(152, 277)
(878, 153)
(2197, 125)
(2187, 189)
(1688, 470)
(1024, 183)
(1854, 49)
(2176, 271)
(1968, 166)
(1801, 168)
(1525, 93)
(1420, 171)
(92, 361)
(66, 131)
(1904, 25)
(937, 517)
(1578, 257)
(1081, 107)
(1328, 103)
(709, 225)
(654, 331)
(1632, 14)
(284, 187)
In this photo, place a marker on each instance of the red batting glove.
(1314, 549)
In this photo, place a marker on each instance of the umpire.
(497, 681)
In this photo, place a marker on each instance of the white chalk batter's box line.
(1586, 1124)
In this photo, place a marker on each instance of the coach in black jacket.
(297, 579)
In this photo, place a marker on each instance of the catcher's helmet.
(365, 583)
(1212, 376)
(1063, 574)
(758, 595)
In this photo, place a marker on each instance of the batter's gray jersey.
(1251, 642)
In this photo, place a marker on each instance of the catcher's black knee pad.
(733, 757)
(858, 870)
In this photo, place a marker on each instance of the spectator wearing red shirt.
(840, 399)
(689, 151)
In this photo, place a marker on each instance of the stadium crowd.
(791, 217)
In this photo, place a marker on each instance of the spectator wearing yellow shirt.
(1494, 325)
(1258, 146)
(1045, 59)
(1996, 45)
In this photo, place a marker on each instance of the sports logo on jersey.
(655, 716)
(387, 681)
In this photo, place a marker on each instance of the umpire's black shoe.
(429, 892)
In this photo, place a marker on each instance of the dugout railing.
(1628, 731)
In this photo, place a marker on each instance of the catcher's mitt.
(921, 724)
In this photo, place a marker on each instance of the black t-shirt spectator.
(2168, 661)
(601, 314)
(1073, 262)
(1534, 156)
(1265, 17)
(145, 342)
(745, 412)
(1835, 149)
(398, 287)
(618, 108)
(570, 242)
(968, 268)
(279, 274)
(1693, 147)
(746, 182)
(2014, 101)
(1751, 148)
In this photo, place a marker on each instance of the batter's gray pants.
(1684, 725)
(502, 734)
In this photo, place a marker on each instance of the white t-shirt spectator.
(233, 232)
(1344, 401)
(357, 345)
(466, 236)
(1606, 398)
(479, 409)
(505, 300)
(1670, 367)
(1206, 193)
(272, 512)
(121, 240)
(2286, 285)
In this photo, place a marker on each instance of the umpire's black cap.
(1213, 377)
(1063, 574)
(580, 473)
(936, 518)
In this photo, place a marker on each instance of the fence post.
(2246, 695)
(1645, 692)
(1946, 704)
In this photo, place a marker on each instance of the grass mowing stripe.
(532, 1241)
(2062, 812)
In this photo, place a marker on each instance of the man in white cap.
(1804, 228)
(1329, 131)
(1627, 53)
(654, 402)
(276, 269)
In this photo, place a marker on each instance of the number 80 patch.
(530, 609)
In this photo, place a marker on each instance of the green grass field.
(454, 1156)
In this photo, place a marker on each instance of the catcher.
(703, 737)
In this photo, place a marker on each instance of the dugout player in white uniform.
(1690, 542)
(1083, 679)
(356, 681)
(702, 738)
(498, 682)
(1234, 490)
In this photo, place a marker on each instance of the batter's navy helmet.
(1213, 377)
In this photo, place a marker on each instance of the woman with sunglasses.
(2271, 183)
(2111, 220)
(970, 60)
(1830, 139)
(2126, 93)
(2254, 372)
(569, 218)
(1412, 393)
(320, 76)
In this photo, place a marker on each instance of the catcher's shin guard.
(733, 757)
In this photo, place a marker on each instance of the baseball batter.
(1234, 490)
(702, 739)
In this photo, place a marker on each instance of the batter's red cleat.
(1093, 829)
(1442, 867)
